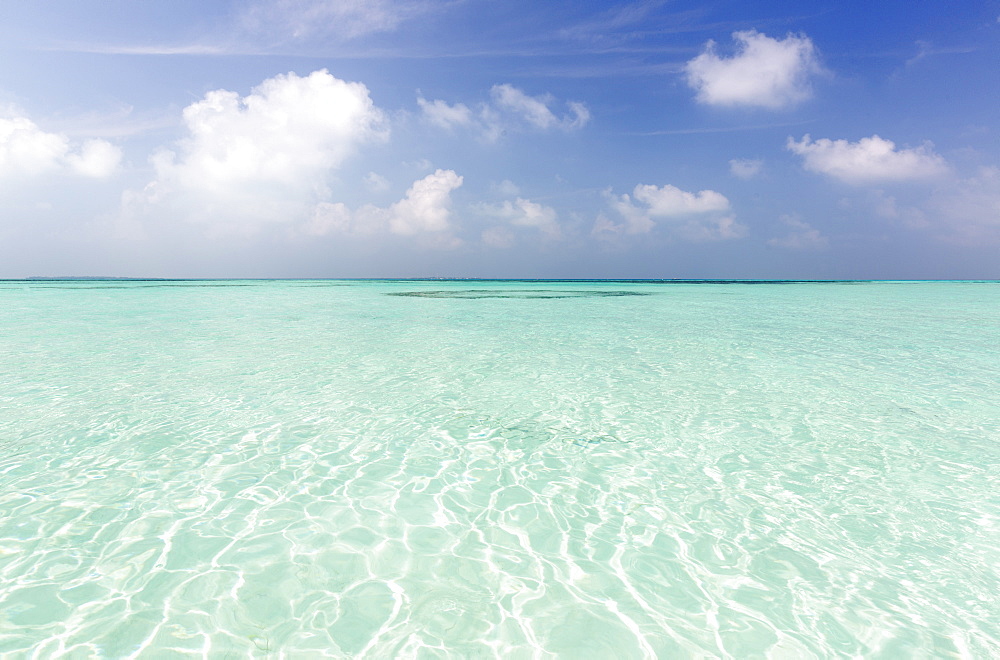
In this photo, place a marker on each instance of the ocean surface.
(472, 469)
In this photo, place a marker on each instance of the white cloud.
(426, 206)
(509, 109)
(265, 157)
(801, 236)
(700, 216)
(668, 201)
(870, 159)
(96, 159)
(27, 150)
(426, 209)
(765, 72)
(745, 168)
(525, 213)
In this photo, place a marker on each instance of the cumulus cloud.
(745, 168)
(426, 206)
(871, 159)
(27, 150)
(801, 235)
(668, 200)
(425, 209)
(700, 216)
(525, 213)
(264, 157)
(765, 72)
(509, 108)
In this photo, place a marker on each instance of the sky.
(500, 139)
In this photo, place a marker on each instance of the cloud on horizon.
(801, 235)
(702, 216)
(969, 210)
(963, 211)
(425, 209)
(524, 213)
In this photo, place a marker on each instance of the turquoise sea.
(473, 469)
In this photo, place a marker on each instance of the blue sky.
(465, 138)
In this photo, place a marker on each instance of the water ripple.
(789, 472)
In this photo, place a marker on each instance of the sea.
(499, 469)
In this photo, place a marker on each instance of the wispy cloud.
(634, 23)
(926, 49)
(723, 129)
(282, 20)
(119, 122)
(509, 109)
(962, 211)
(143, 49)
(745, 168)
(284, 27)
(611, 20)
(800, 236)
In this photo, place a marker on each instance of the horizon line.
(639, 280)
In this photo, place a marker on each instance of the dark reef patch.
(541, 294)
(143, 286)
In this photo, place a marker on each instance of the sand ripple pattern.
(308, 469)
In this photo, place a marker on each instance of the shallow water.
(496, 469)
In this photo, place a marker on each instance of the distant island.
(92, 277)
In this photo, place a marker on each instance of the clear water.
(509, 470)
